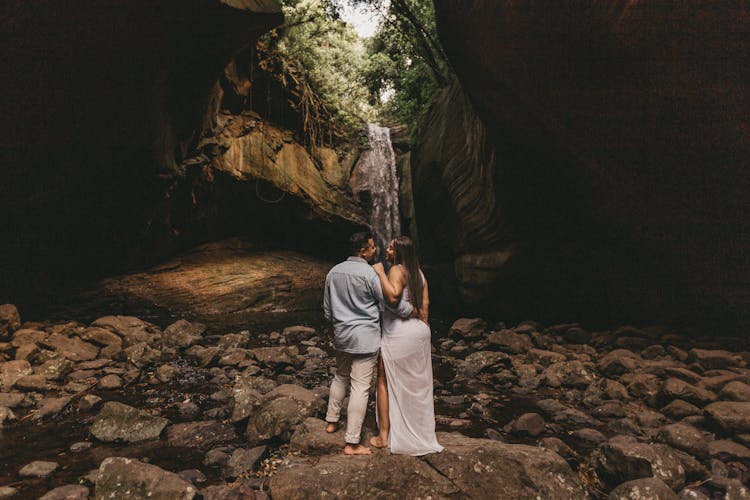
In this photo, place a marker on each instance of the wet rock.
(67, 492)
(242, 461)
(545, 358)
(117, 421)
(679, 409)
(709, 359)
(296, 334)
(127, 478)
(72, 348)
(235, 491)
(131, 329)
(684, 437)
(736, 391)
(109, 383)
(622, 460)
(11, 371)
(510, 342)
(80, 446)
(642, 489)
(468, 328)
(568, 374)
(481, 361)
(38, 468)
(531, 424)
(88, 402)
(590, 436)
(732, 417)
(311, 438)
(727, 450)
(465, 468)
(284, 408)
(618, 362)
(10, 320)
(140, 355)
(6, 415)
(674, 388)
(50, 407)
(183, 334)
(11, 399)
(205, 434)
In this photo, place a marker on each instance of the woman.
(406, 413)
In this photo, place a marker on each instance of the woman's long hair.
(404, 253)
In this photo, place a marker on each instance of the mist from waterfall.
(375, 181)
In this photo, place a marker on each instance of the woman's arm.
(424, 310)
(393, 284)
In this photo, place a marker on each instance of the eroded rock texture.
(616, 182)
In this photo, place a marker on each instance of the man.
(352, 301)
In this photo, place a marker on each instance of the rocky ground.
(120, 408)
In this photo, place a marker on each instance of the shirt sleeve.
(402, 310)
(327, 299)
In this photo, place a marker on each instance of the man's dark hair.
(358, 241)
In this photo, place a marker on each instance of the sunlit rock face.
(621, 139)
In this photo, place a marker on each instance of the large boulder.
(283, 409)
(128, 478)
(731, 417)
(621, 459)
(117, 421)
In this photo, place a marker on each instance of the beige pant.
(354, 371)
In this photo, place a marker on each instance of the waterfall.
(375, 181)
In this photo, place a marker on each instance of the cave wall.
(621, 137)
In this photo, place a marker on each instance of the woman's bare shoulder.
(397, 272)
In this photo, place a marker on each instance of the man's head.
(362, 245)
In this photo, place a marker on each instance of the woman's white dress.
(407, 357)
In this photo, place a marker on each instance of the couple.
(356, 294)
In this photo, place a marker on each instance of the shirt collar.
(357, 259)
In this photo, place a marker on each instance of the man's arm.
(403, 309)
(327, 299)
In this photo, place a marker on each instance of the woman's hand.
(379, 268)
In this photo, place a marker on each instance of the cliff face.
(621, 138)
(117, 147)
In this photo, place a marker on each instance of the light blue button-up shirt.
(352, 301)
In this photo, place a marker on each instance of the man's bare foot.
(379, 442)
(357, 449)
(333, 427)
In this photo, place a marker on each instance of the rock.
(117, 421)
(141, 355)
(194, 476)
(11, 399)
(736, 391)
(6, 415)
(109, 342)
(643, 489)
(11, 371)
(478, 362)
(467, 468)
(243, 461)
(679, 409)
(610, 409)
(50, 407)
(589, 436)
(531, 424)
(284, 408)
(544, 358)
(674, 388)
(558, 446)
(109, 383)
(510, 342)
(72, 348)
(653, 352)
(726, 451)
(710, 359)
(7, 492)
(127, 478)
(277, 357)
(67, 492)
(234, 341)
(27, 352)
(618, 362)
(205, 434)
(622, 460)
(88, 402)
(38, 468)
(576, 335)
(296, 334)
(32, 383)
(183, 334)
(218, 457)
(165, 373)
(574, 416)
(568, 374)
(626, 426)
(468, 328)
(311, 438)
(732, 417)
(10, 320)
(235, 491)
(684, 437)
(54, 369)
(204, 356)
(80, 446)
(27, 336)
(248, 394)
(131, 329)
(650, 418)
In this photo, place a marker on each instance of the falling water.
(375, 181)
